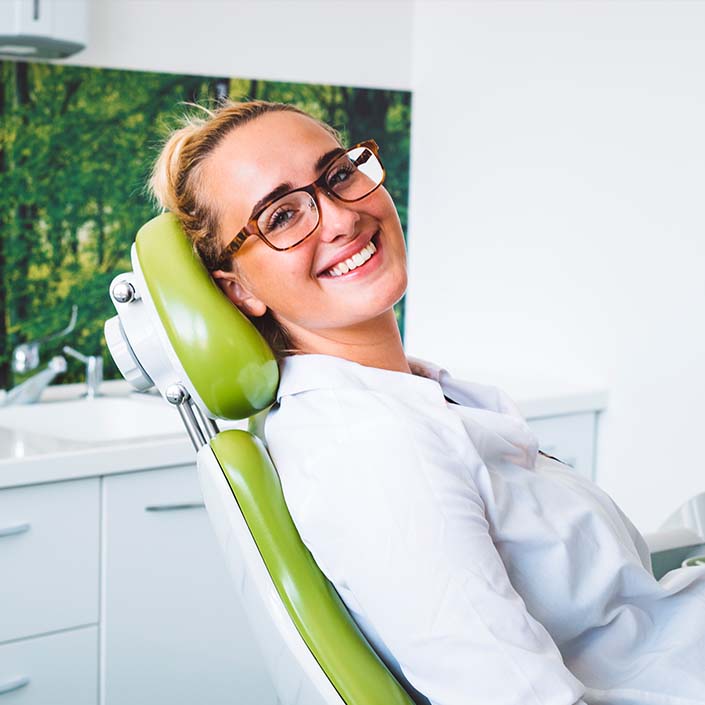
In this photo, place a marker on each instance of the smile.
(354, 261)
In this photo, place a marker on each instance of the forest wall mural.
(76, 148)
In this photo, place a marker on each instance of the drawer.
(570, 438)
(48, 557)
(59, 669)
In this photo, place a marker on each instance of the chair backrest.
(177, 330)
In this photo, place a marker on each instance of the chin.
(381, 301)
(399, 289)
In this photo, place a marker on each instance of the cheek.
(384, 205)
(277, 278)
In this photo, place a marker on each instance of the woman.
(479, 569)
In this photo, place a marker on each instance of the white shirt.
(479, 570)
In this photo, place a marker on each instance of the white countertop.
(33, 455)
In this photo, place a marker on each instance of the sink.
(97, 420)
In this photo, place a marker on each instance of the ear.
(247, 302)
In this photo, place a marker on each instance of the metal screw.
(123, 292)
(176, 394)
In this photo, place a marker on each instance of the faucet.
(94, 370)
(25, 358)
(31, 389)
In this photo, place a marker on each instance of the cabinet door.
(570, 438)
(59, 669)
(174, 631)
(48, 557)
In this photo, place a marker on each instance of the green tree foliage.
(76, 147)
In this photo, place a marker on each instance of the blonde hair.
(176, 184)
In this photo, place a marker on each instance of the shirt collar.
(490, 416)
(300, 373)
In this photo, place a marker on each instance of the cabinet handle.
(173, 507)
(14, 684)
(16, 529)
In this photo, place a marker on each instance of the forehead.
(254, 159)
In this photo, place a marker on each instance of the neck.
(374, 343)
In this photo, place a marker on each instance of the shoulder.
(358, 441)
(334, 416)
(357, 431)
(335, 452)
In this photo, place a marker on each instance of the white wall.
(558, 169)
(341, 42)
(557, 181)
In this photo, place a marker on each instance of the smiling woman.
(328, 262)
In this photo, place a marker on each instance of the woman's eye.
(279, 219)
(340, 174)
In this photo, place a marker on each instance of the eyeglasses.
(287, 220)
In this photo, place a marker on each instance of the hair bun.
(168, 169)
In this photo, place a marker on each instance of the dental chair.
(177, 331)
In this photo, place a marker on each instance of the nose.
(336, 218)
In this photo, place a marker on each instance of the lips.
(347, 252)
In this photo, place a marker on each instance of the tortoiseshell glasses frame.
(322, 184)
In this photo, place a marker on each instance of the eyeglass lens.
(293, 217)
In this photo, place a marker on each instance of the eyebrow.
(287, 186)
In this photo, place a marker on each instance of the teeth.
(355, 261)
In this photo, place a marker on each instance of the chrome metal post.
(208, 425)
(177, 395)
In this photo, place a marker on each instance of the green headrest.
(228, 363)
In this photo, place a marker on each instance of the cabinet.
(114, 592)
(48, 557)
(172, 630)
(49, 593)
